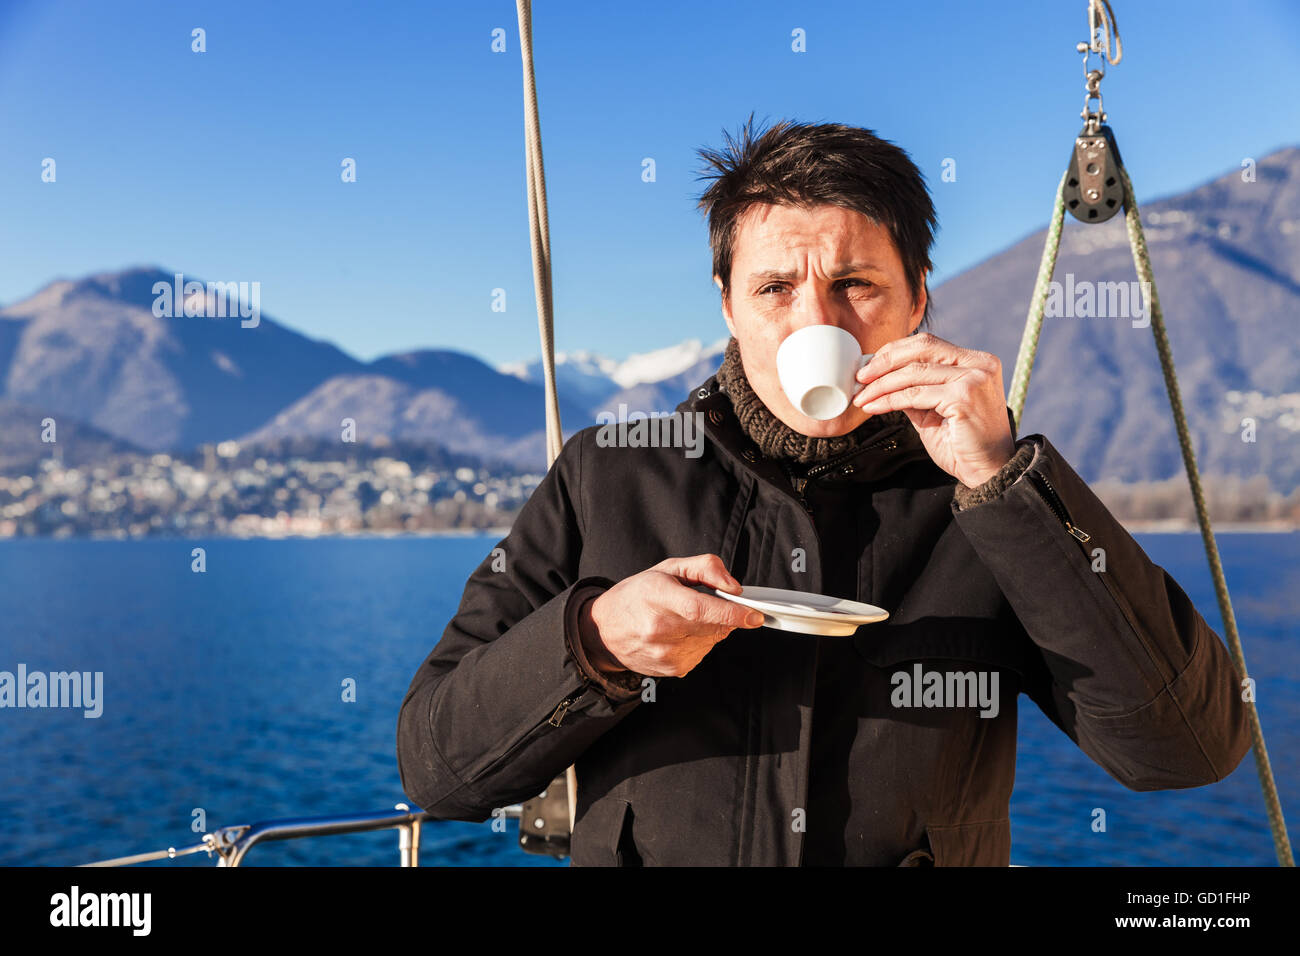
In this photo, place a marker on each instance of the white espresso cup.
(818, 366)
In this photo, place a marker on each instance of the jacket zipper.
(888, 444)
(557, 717)
(1053, 500)
(799, 484)
(1049, 495)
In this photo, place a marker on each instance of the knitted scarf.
(774, 438)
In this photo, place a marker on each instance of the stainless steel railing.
(231, 844)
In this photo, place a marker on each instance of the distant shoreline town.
(252, 492)
(322, 489)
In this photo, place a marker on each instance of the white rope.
(539, 231)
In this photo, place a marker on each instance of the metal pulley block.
(1094, 190)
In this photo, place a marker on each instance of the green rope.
(1037, 305)
(1142, 262)
(1016, 401)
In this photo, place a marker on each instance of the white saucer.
(806, 613)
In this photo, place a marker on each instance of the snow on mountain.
(583, 376)
(665, 363)
(588, 377)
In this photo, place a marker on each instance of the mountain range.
(93, 354)
(1226, 262)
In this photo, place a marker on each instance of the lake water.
(223, 693)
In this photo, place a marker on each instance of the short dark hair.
(803, 164)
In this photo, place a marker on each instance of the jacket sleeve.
(506, 700)
(1137, 678)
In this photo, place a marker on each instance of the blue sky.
(226, 164)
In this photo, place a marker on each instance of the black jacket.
(715, 769)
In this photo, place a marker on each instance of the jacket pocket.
(983, 640)
(971, 844)
(918, 858)
(625, 851)
(553, 719)
(602, 836)
(943, 696)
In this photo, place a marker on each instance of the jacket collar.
(773, 437)
(893, 446)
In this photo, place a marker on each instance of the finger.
(912, 348)
(939, 398)
(916, 373)
(701, 569)
(706, 614)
